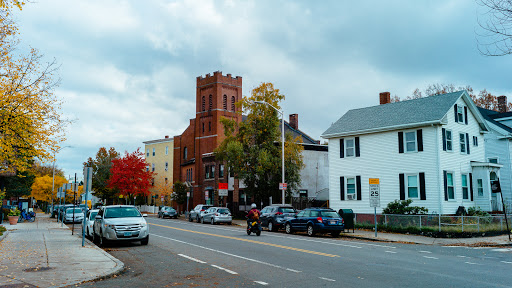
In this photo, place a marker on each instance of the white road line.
(461, 256)
(193, 259)
(429, 257)
(506, 262)
(425, 252)
(261, 282)
(224, 269)
(293, 270)
(390, 252)
(222, 252)
(471, 263)
(502, 250)
(327, 279)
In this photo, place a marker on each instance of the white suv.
(120, 223)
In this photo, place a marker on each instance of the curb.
(4, 235)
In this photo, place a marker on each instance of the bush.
(14, 212)
(477, 211)
(402, 207)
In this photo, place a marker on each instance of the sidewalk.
(417, 239)
(44, 254)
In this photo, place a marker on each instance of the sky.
(128, 68)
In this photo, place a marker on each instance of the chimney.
(385, 98)
(294, 121)
(166, 136)
(502, 104)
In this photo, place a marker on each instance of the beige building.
(159, 158)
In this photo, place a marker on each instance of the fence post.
(439, 222)
(478, 224)
(501, 224)
(386, 219)
(462, 222)
(420, 222)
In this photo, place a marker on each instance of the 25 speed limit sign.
(374, 192)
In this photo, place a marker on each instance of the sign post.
(374, 198)
(86, 190)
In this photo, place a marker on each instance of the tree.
(41, 189)
(496, 36)
(130, 176)
(41, 169)
(180, 193)
(31, 123)
(164, 189)
(101, 166)
(252, 149)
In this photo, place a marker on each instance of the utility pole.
(74, 206)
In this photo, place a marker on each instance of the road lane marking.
(261, 282)
(430, 257)
(252, 241)
(471, 263)
(393, 252)
(193, 259)
(225, 253)
(462, 256)
(317, 241)
(224, 269)
(293, 270)
(327, 279)
(506, 262)
(425, 252)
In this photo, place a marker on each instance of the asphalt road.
(181, 253)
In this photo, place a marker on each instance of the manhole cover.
(37, 269)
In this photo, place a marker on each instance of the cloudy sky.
(129, 68)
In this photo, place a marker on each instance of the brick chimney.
(502, 104)
(385, 98)
(294, 121)
(166, 136)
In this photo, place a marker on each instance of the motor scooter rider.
(254, 214)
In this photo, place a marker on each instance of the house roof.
(306, 139)
(399, 115)
(490, 115)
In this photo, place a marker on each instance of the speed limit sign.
(374, 192)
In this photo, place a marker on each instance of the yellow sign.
(120, 195)
(374, 180)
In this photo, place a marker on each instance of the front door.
(494, 196)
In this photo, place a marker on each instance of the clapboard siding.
(500, 147)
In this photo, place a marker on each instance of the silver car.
(73, 215)
(216, 215)
(89, 221)
(197, 212)
(120, 223)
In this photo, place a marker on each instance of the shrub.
(402, 207)
(14, 212)
(477, 211)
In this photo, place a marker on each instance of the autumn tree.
(31, 122)
(163, 189)
(252, 148)
(41, 189)
(180, 193)
(495, 38)
(101, 166)
(130, 176)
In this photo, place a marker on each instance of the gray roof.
(490, 115)
(409, 113)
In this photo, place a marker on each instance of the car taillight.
(217, 214)
(319, 219)
(202, 210)
(279, 213)
(342, 221)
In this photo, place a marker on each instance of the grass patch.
(446, 232)
(2, 230)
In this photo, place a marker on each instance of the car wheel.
(311, 231)
(229, 223)
(212, 222)
(270, 226)
(145, 241)
(335, 234)
(189, 218)
(202, 220)
(288, 228)
(103, 241)
(94, 237)
(198, 220)
(87, 232)
(158, 215)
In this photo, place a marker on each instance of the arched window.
(232, 103)
(210, 103)
(203, 104)
(225, 102)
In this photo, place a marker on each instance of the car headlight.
(143, 224)
(110, 226)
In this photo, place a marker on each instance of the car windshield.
(171, 209)
(330, 214)
(223, 211)
(93, 215)
(122, 212)
(286, 210)
(70, 211)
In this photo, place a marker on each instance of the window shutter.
(467, 142)
(423, 195)
(471, 185)
(444, 139)
(465, 115)
(445, 186)
(402, 186)
(419, 138)
(357, 147)
(358, 185)
(400, 142)
(342, 148)
(342, 188)
(455, 110)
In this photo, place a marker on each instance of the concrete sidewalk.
(44, 254)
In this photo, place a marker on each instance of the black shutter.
(402, 186)
(342, 148)
(471, 185)
(455, 110)
(444, 139)
(419, 138)
(342, 188)
(358, 184)
(357, 147)
(466, 115)
(445, 186)
(423, 195)
(400, 142)
(467, 142)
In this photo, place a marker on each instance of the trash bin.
(348, 218)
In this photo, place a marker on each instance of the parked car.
(74, 215)
(55, 211)
(62, 210)
(167, 211)
(89, 221)
(120, 223)
(216, 215)
(274, 216)
(316, 220)
(197, 212)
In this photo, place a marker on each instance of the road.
(181, 253)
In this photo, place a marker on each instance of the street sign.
(223, 189)
(282, 186)
(162, 198)
(87, 179)
(374, 192)
(205, 195)
(188, 194)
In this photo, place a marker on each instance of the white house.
(430, 150)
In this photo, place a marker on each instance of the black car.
(274, 216)
(316, 220)
(167, 211)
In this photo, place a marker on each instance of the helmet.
(253, 206)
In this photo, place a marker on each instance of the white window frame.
(450, 141)
(460, 114)
(153, 167)
(480, 187)
(417, 185)
(452, 186)
(415, 142)
(347, 189)
(147, 152)
(352, 148)
(166, 150)
(465, 187)
(462, 141)
(154, 150)
(492, 158)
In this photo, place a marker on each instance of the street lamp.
(53, 174)
(282, 142)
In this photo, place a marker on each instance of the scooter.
(254, 227)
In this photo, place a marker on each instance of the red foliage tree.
(129, 175)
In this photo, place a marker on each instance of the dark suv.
(316, 220)
(274, 216)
